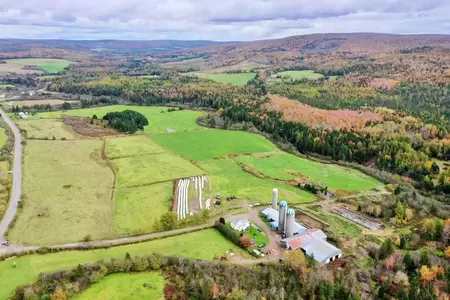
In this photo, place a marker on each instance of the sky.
(223, 20)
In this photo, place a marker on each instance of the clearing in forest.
(131, 146)
(228, 179)
(227, 78)
(48, 65)
(131, 286)
(148, 169)
(211, 143)
(159, 118)
(47, 129)
(67, 191)
(137, 208)
(203, 244)
(297, 75)
(284, 166)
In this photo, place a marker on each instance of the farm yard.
(227, 78)
(287, 167)
(147, 285)
(45, 64)
(204, 244)
(129, 182)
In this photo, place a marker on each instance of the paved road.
(16, 249)
(17, 177)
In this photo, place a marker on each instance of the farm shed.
(240, 225)
(313, 243)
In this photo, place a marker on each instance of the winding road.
(17, 177)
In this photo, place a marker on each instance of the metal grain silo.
(275, 198)
(290, 220)
(282, 216)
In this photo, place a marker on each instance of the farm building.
(240, 225)
(313, 242)
(272, 215)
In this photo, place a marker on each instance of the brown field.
(39, 102)
(320, 118)
(82, 126)
(6, 69)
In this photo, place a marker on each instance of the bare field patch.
(39, 102)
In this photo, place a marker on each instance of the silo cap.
(275, 190)
(291, 212)
(283, 203)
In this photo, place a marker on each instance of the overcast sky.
(220, 20)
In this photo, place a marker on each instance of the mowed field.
(297, 75)
(47, 129)
(132, 286)
(132, 146)
(211, 143)
(235, 79)
(47, 64)
(68, 193)
(160, 120)
(3, 137)
(333, 176)
(228, 178)
(154, 168)
(137, 208)
(203, 244)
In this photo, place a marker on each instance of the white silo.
(282, 216)
(275, 198)
(290, 220)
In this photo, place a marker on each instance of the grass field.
(296, 75)
(47, 64)
(334, 176)
(4, 86)
(136, 209)
(3, 137)
(131, 146)
(183, 120)
(147, 169)
(203, 244)
(227, 178)
(235, 79)
(67, 190)
(212, 143)
(47, 129)
(37, 102)
(132, 286)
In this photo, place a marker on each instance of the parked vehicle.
(261, 246)
(5, 243)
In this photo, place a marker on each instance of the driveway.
(17, 177)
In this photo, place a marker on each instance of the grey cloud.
(226, 20)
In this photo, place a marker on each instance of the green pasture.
(227, 179)
(160, 120)
(49, 65)
(228, 78)
(205, 244)
(297, 75)
(211, 143)
(132, 286)
(67, 194)
(3, 137)
(333, 176)
(137, 208)
(131, 146)
(148, 169)
(47, 129)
